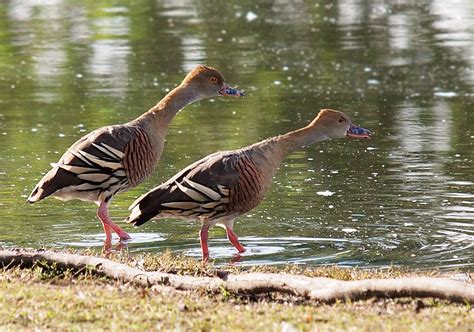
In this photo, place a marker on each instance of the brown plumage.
(222, 186)
(116, 158)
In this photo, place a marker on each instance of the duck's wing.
(98, 165)
(219, 185)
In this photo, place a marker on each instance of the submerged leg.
(204, 235)
(233, 239)
(108, 251)
(108, 224)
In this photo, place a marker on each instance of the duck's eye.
(213, 79)
(341, 120)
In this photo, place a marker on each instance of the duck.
(224, 185)
(116, 158)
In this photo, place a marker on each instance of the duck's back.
(99, 165)
(222, 184)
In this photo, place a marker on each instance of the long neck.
(299, 138)
(159, 116)
(279, 147)
(271, 152)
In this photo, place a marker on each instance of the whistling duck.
(224, 185)
(113, 159)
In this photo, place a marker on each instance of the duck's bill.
(358, 132)
(228, 91)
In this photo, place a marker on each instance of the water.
(403, 69)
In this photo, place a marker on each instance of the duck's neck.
(269, 154)
(280, 146)
(295, 140)
(160, 115)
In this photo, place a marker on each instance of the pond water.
(401, 68)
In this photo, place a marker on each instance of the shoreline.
(47, 296)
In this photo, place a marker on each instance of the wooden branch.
(319, 289)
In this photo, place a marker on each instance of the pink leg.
(107, 247)
(234, 240)
(107, 231)
(204, 235)
(109, 225)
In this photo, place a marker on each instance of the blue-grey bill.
(358, 132)
(228, 91)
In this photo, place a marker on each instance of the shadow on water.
(403, 69)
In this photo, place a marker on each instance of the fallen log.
(319, 289)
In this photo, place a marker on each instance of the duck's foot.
(234, 240)
(237, 258)
(108, 224)
(108, 251)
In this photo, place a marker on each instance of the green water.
(402, 69)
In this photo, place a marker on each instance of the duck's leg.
(107, 231)
(108, 224)
(204, 235)
(233, 239)
(108, 251)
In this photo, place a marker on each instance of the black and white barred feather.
(99, 165)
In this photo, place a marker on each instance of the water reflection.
(403, 69)
(110, 51)
(193, 52)
(424, 130)
(97, 240)
(43, 9)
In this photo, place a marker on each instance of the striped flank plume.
(101, 164)
(219, 185)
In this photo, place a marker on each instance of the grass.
(48, 298)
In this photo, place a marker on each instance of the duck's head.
(207, 82)
(336, 124)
